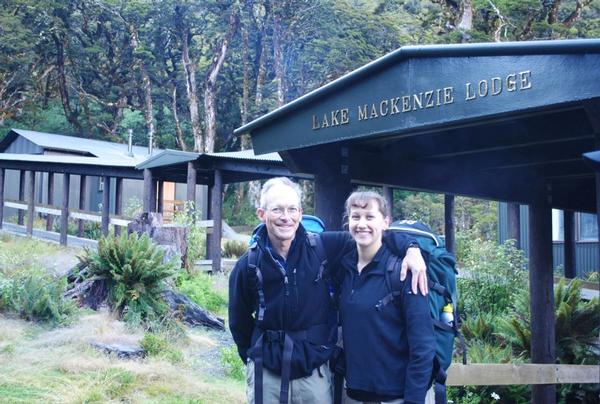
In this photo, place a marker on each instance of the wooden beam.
(161, 196)
(388, 195)
(191, 182)
(569, 244)
(50, 201)
(30, 202)
(147, 190)
(21, 214)
(332, 185)
(541, 283)
(106, 206)
(64, 214)
(118, 202)
(82, 202)
(1, 196)
(513, 213)
(598, 207)
(488, 374)
(449, 228)
(217, 216)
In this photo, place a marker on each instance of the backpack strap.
(254, 255)
(392, 281)
(316, 242)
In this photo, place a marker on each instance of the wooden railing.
(491, 374)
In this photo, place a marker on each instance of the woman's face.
(367, 224)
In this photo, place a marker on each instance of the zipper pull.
(294, 272)
(285, 284)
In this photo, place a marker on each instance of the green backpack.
(441, 275)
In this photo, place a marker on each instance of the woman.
(389, 349)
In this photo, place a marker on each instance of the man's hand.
(414, 262)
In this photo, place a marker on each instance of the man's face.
(282, 213)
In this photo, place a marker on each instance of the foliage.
(200, 288)
(36, 296)
(134, 270)
(234, 366)
(234, 249)
(133, 207)
(491, 272)
(157, 345)
(196, 241)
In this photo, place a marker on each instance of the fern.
(134, 271)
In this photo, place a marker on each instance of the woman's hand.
(414, 262)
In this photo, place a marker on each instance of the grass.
(44, 363)
(58, 365)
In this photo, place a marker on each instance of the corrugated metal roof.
(248, 155)
(122, 161)
(167, 158)
(99, 148)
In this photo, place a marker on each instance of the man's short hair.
(279, 181)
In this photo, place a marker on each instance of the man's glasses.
(280, 210)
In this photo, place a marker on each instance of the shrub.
(36, 297)
(158, 346)
(189, 217)
(234, 249)
(200, 288)
(234, 367)
(134, 271)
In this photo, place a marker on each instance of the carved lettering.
(448, 95)
(496, 85)
(511, 82)
(429, 99)
(334, 117)
(417, 100)
(315, 123)
(482, 88)
(405, 103)
(325, 123)
(383, 108)
(362, 112)
(395, 109)
(525, 79)
(373, 112)
(345, 118)
(470, 95)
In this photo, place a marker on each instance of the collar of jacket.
(350, 261)
(260, 235)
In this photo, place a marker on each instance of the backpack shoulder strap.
(316, 243)
(392, 281)
(254, 255)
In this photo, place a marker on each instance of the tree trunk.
(178, 130)
(574, 16)
(466, 20)
(192, 95)
(553, 11)
(278, 60)
(70, 114)
(210, 84)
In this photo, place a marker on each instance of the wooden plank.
(118, 202)
(488, 374)
(106, 206)
(217, 215)
(50, 201)
(1, 196)
(64, 217)
(82, 202)
(30, 202)
(513, 213)
(20, 213)
(449, 223)
(15, 205)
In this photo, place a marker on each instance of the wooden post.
(598, 208)
(161, 196)
(82, 203)
(513, 213)
(388, 195)
(148, 190)
(569, 244)
(449, 223)
(217, 216)
(206, 215)
(30, 202)
(330, 195)
(50, 199)
(118, 201)
(64, 213)
(20, 213)
(541, 284)
(191, 182)
(1, 196)
(106, 206)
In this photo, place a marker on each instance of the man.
(281, 313)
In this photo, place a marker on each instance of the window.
(558, 225)
(587, 227)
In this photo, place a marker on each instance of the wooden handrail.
(492, 374)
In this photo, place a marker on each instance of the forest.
(187, 73)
